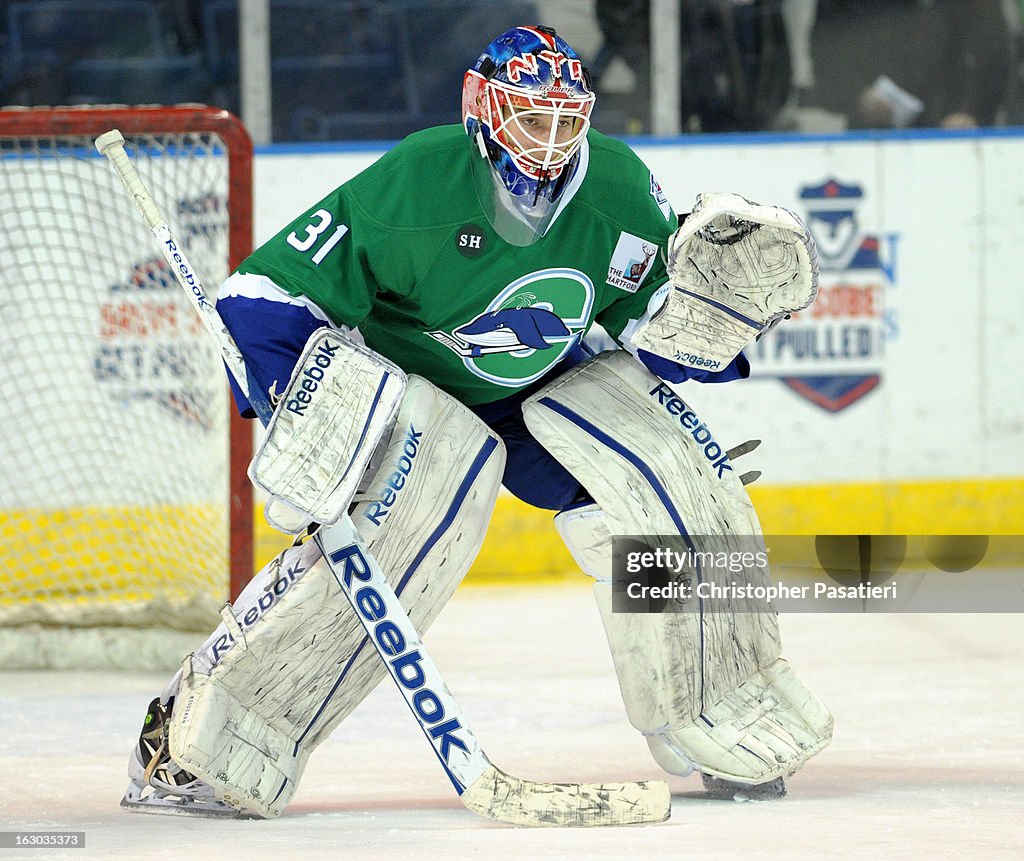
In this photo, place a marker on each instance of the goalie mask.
(526, 103)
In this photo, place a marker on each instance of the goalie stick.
(482, 787)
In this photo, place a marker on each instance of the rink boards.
(889, 407)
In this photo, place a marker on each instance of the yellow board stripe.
(522, 544)
(73, 555)
(993, 506)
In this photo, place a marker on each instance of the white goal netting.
(114, 455)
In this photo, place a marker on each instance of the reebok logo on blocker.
(312, 376)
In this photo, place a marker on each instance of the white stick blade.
(509, 799)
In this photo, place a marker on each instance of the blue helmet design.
(527, 102)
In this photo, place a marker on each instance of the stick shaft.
(111, 145)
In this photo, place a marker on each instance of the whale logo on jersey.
(509, 329)
(525, 329)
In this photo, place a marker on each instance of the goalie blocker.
(708, 690)
(341, 399)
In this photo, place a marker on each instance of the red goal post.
(124, 500)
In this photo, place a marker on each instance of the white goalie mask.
(526, 103)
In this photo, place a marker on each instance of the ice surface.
(927, 762)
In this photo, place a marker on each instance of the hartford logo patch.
(631, 261)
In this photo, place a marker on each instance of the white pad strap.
(735, 268)
(340, 401)
(247, 719)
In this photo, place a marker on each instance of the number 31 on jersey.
(313, 231)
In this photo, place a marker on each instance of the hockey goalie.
(423, 333)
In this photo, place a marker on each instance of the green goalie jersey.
(405, 252)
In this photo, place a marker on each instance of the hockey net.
(125, 511)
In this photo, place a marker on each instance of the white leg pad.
(621, 432)
(766, 726)
(654, 468)
(269, 686)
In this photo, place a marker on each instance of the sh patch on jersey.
(631, 261)
(470, 240)
(526, 329)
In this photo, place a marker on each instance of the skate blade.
(727, 790)
(184, 807)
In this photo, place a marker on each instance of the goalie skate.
(158, 785)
